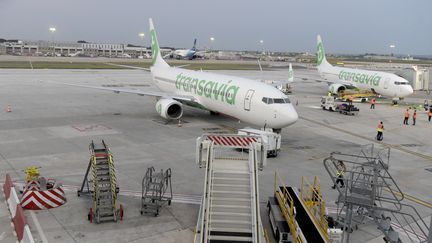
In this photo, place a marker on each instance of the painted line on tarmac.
(38, 227)
(411, 198)
(397, 147)
(178, 198)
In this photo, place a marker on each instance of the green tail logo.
(154, 46)
(320, 53)
(290, 74)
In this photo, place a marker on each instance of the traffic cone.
(8, 108)
(179, 124)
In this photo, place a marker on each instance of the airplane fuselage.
(383, 83)
(233, 96)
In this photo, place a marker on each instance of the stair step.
(244, 175)
(219, 202)
(230, 230)
(235, 224)
(223, 238)
(231, 216)
(230, 209)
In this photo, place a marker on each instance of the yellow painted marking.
(411, 198)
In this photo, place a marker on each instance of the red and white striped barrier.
(232, 140)
(20, 225)
(43, 199)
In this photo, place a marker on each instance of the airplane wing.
(300, 78)
(160, 94)
(127, 66)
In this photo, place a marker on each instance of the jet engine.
(336, 88)
(169, 108)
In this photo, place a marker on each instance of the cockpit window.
(400, 83)
(267, 100)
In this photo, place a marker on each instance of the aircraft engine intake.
(336, 88)
(169, 109)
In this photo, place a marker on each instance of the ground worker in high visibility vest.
(414, 117)
(373, 103)
(380, 130)
(340, 171)
(406, 117)
(430, 114)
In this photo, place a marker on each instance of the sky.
(346, 26)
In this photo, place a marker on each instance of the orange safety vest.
(415, 115)
(430, 113)
(406, 114)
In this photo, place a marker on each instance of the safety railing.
(256, 233)
(113, 180)
(312, 197)
(204, 232)
(286, 204)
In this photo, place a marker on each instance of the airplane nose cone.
(409, 90)
(289, 116)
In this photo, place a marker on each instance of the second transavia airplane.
(340, 78)
(248, 100)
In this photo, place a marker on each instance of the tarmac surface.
(52, 125)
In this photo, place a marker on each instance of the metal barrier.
(21, 227)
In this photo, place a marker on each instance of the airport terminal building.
(82, 48)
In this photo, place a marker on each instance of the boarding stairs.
(230, 207)
(371, 194)
(102, 184)
(156, 191)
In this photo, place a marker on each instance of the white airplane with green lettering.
(340, 78)
(248, 100)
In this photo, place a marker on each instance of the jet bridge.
(230, 210)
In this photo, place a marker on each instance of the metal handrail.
(286, 205)
(206, 201)
(313, 193)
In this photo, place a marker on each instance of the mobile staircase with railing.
(156, 191)
(230, 209)
(102, 185)
(371, 194)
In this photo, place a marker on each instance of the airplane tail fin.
(157, 59)
(321, 58)
(194, 46)
(290, 73)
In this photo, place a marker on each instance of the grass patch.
(143, 64)
(15, 64)
(203, 66)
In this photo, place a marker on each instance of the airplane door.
(248, 98)
(386, 83)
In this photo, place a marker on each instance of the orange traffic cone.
(179, 124)
(8, 108)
